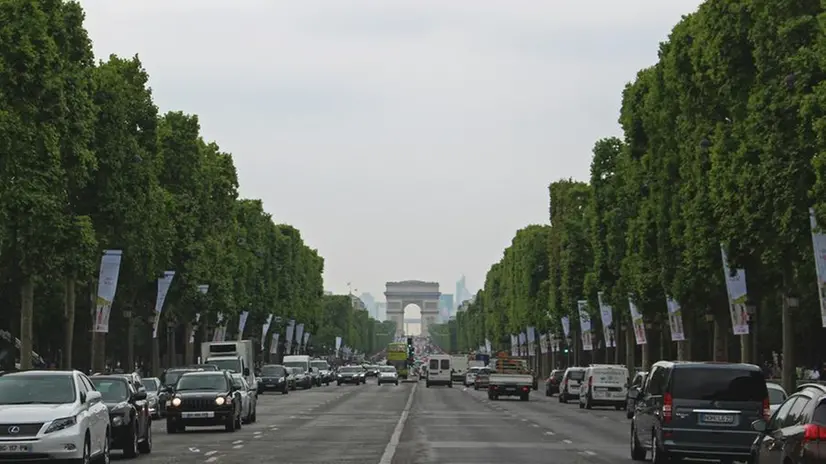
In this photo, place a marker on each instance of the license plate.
(717, 418)
(270, 385)
(198, 415)
(600, 389)
(15, 448)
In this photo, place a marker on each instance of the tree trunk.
(681, 351)
(720, 345)
(745, 348)
(69, 301)
(190, 345)
(788, 372)
(630, 348)
(26, 319)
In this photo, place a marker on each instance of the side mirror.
(760, 425)
(92, 397)
(169, 389)
(234, 388)
(140, 395)
(246, 372)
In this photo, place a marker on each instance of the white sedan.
(388, 374)
(249, 398)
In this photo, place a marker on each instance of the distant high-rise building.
(370, 304)
(462, 292)
(381, 311)
(445, 306)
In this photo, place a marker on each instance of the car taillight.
(767, 410)
(668, 403)
(526, 389)
(813, 432)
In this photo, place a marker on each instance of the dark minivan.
(698, 410)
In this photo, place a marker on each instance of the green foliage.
(87, 164)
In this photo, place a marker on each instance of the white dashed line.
(194, 450)
(212, 459)
(237, 446)
(210, 453)
(524, 420)
(567, 442)
(237, 442)
(549, 433)
(590, 453)
(390, 450)
(534, 425)
(257, 436)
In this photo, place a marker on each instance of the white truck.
(235, 356)
(460, 367)
(509, 377)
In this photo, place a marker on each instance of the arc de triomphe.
(423, 294)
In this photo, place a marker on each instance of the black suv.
(128, 414)
(204, 398)
(796, 431)
(274, 377)
(698, 410)
(169, 378)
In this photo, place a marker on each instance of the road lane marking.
(258, 433)
(534, 425)
(590, 453)
(210, 453)
(212, 459)
(236, 442)
(393, 444)
(194, 450)
(567, 442)
(549, 433)
(237, 446)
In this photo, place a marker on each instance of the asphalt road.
(405, 424)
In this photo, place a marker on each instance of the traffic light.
(411, 351)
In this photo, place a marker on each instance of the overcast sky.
(405, 139)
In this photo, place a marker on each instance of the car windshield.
(320, 365)
(236, 382)
(297, 364)
(576, 375)
(557, 375)
(213, 382)
(776, 396)
(717, 384)
(37, 389)
(232, 364)
(112, 390)
(388, 369)
(273, 371)
(171, 377)
(351, 370)
(150, 385)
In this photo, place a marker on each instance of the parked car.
(131, 423)
(249, 398)
(634, 389)
(699, 410)
(553, 381)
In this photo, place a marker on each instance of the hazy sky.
(406, 139)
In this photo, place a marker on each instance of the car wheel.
(145, 447)
(637, 452)
(130, 450)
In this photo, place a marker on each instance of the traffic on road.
(489, 412)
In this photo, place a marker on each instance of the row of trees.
(724, 142)
(87, 163)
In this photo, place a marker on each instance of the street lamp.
(568, 350)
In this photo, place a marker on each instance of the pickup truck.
(509, 384)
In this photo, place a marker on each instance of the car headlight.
(61, 424)
(220, 400)
(117, 421)
(176, 402)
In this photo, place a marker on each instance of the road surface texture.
(404, 424)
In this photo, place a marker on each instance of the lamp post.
(709, 316)
(568, 344)
(751, 312)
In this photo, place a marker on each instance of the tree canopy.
(89, 163)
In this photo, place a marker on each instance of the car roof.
(205, 373)
(55, 373)
(122, 378)
(709, 365)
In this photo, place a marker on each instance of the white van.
(569, 386)
(439, 370)
(604, 385)
(300, 362)
(460, 367)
